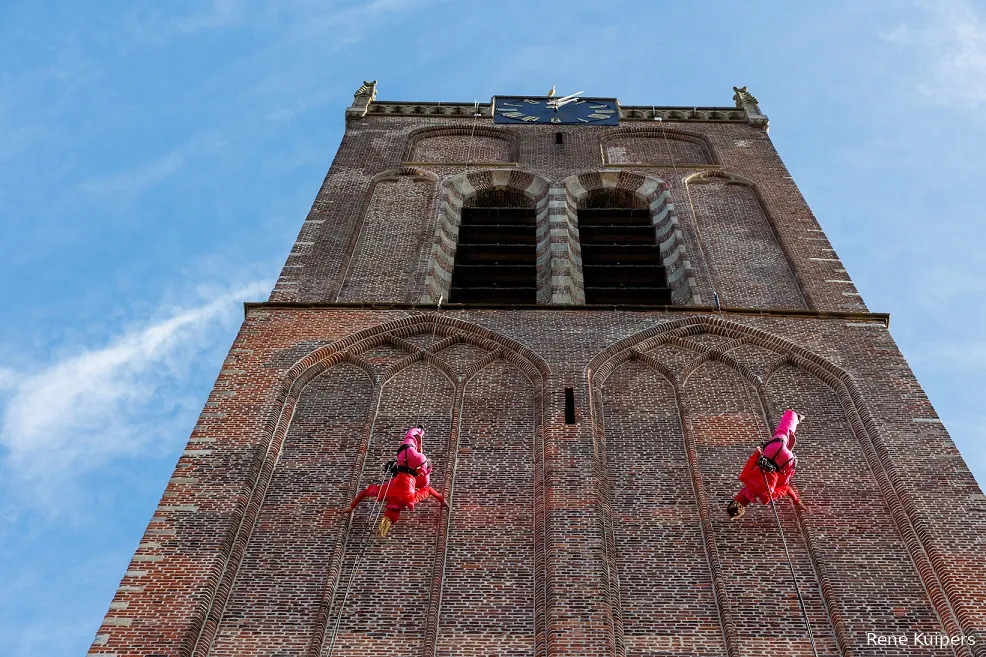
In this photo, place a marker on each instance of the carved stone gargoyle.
(365, 95)
(749, 104)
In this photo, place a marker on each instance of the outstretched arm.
(372, 489)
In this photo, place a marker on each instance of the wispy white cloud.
(217, 15)
(126, 185)
(949, 50)
(8, 378)
(78, 413)
(135, 182)
(954, 357)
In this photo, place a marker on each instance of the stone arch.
(651, 144)
(346, 353)
(395, 174)
(747, 242)
(704, 177)
(930, 569)
(656, 193)
(394, 213)
(494, 145)
(272, 593)
(456, 191)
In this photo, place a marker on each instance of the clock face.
(537, 110)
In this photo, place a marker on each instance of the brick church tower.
(630, 298)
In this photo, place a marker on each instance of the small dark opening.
(559, 137)
(569, 406)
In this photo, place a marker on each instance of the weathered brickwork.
(665, 587)
(319, 265)
(674, 424)
(653, 147)
(460, 149)
(606, 537)
(274, 592)
(745, 261)
(392, 239)
(490, 580)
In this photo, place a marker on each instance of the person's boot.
(734, 509)
(384, 527)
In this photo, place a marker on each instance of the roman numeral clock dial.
(570, 109)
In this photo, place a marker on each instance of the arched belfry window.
(496, 256)
(621, 260)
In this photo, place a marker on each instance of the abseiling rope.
(780, 528)
(381, 501)
(790, 565)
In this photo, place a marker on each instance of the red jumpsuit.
(768, 486)
(764, 486)
(404, 490)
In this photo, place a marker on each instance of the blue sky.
(156, 165)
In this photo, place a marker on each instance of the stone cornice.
(746, 110)
(627, 112)
(879, 319)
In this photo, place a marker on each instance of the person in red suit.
(409, 483)
(768, 472)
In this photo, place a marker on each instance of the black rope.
(790, 565)
(381, 501)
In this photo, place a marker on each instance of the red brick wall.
(747, 264)
(625, 542)
(278, 588)
(654, 149)
(392, 236)
(461, 148)
(320, 262)
(490, 583)
(602, 538)
(665, 588)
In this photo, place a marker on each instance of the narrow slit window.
(569, 406)
(621, 260)
(496, 256)
(559, 137)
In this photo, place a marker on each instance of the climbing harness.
(768, 464)
(392, 468)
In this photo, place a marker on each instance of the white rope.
(380, 503)
(790, 565)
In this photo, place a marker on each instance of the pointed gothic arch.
(348, 353)
(929, 569)
(754, 242)
(381, 236)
